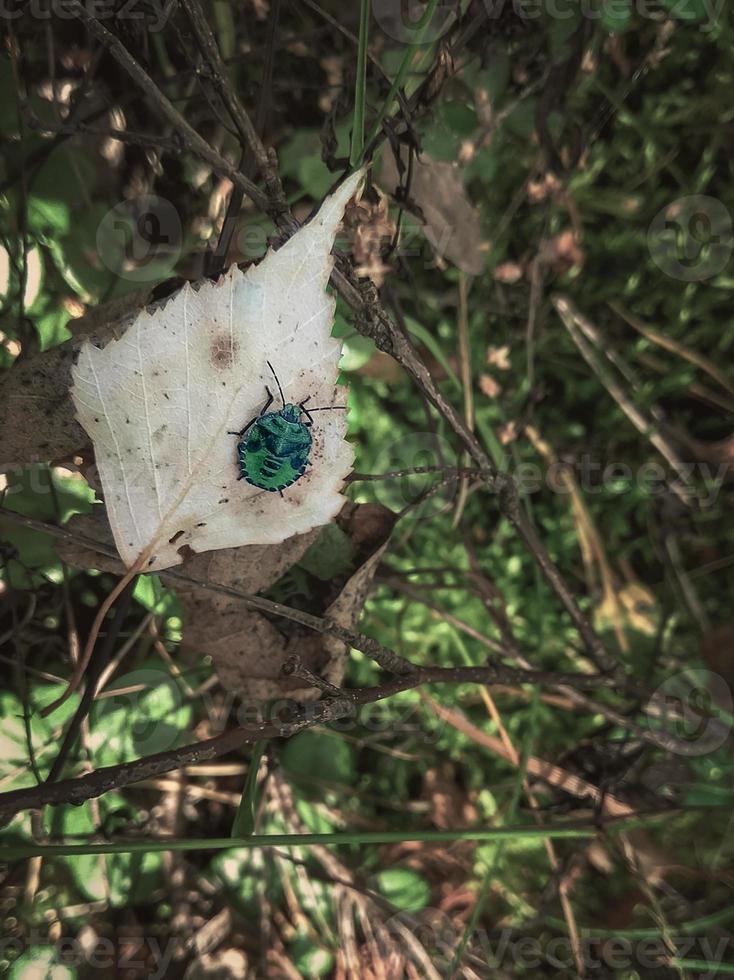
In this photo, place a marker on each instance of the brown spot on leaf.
(223, 351)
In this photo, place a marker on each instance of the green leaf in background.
(133, 878)
(48, 219)
(314, 758)
(713, 783)
(244, 820)
(356, 351)
(491, 80)
(15, 770)
(330, 555)
(616, 16)
(241, 871)
(300, 159)
(520, 120)
(310, 959)
(88, 270)
(405, 889)
(29, 557)
(41, 963)
(460, 118)
(47, 494)
(66, 176)
(86, 870)
(146, 713)
(688, 10)
(44, 494)
(315, 818)
(119, 879)
(560, 30)
(44, 694)
(155, 597)
(447, 129)
(51, 328)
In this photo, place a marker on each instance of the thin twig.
(96, 666)
(675, 347)
(462, 321)
(237, 111)
(165, 108)
(299, 718)
(578, 325)
(83, 662)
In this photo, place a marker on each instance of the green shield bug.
(274, 447)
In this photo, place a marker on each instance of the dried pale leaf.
(159, 402)
(507, 433)
(490, 387)
(249, 651)
(249, 569)
(346, 610)
(499, 357)
(508, 272)
(562, 252)
(371, 230)
(38, 415)
(452, 224)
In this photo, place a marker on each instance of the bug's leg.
(243, 431)
(281, 493)
(263, 410)
(302, 406)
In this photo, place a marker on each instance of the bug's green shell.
(275, 450)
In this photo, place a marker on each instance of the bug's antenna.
(282, 399)
(330, 408)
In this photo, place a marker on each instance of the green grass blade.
(403, 70)
(491, 872)
(244, 820)
(692, 927)
(360, 87)
(704, 966)
(17, 851)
